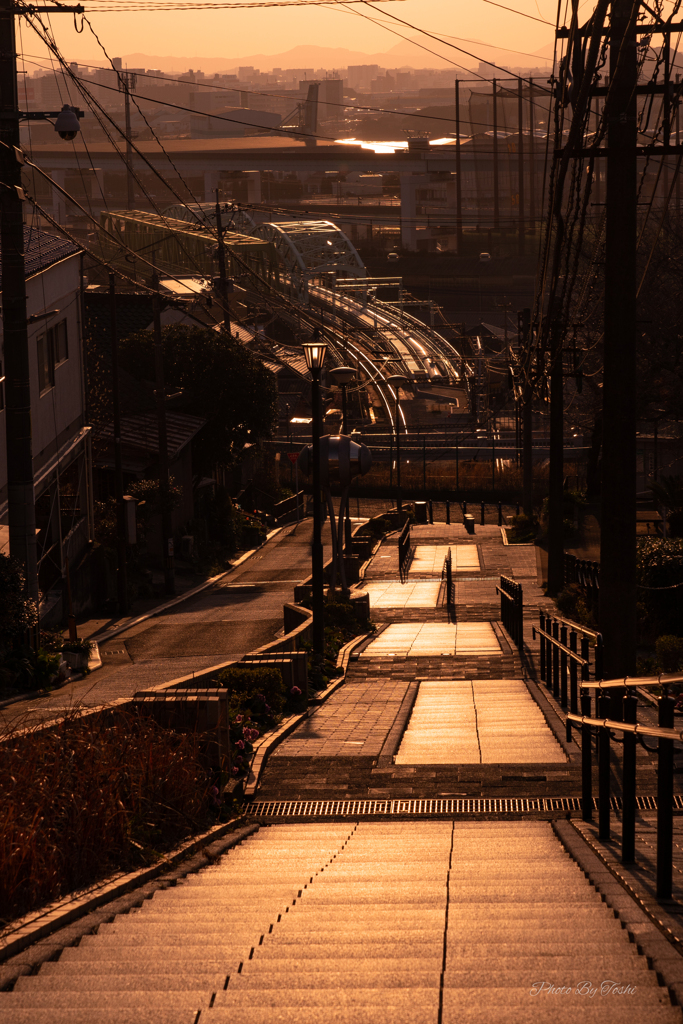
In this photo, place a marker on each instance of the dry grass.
(89, 797)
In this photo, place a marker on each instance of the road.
(238, 614)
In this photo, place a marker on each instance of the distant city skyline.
(247, 36)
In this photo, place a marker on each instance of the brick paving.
(348, 746)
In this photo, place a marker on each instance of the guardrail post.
(500, 513)
(464, 508)
(573, 674)
(448, 513)
(603, 770)
(586, 761)
(599, 652)
(665, 799)
(563, 668)
(483, 514)
(556, 661)
(585, 654)
(542, 652)
(628, 786)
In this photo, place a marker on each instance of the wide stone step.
(92, 983)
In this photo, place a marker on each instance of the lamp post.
(395, 381)
(343, 376)
(314, 353)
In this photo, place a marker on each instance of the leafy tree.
(17, 612)
(221, 381)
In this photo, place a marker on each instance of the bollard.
(665, 799)
(603, 770)
(628, 788)
(431, 511)
(573, 674)
(563, 668)
(464, 508)
(500, 513)
(586, 761)
(542, 652)
(483, 514)
(517, 508)
(448, 513)
(556, 661)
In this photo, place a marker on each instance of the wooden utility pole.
(525, 356)
(164, 480)
(222, 277)
(121, 540)
(618, 511)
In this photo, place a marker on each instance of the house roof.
(42, 250)
(140, 434)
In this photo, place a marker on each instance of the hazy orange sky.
(233, 34)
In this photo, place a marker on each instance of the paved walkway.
(238, 614)
(392, 922)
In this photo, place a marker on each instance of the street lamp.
(343, 375)
(314, 353)
(396, 381)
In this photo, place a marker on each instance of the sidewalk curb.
(110, 634)
(56, 915)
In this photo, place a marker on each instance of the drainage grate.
(450, 806)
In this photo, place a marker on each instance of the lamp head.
(67, 123)
(342, 374)
(315, 351)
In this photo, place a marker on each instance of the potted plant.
(76, 653)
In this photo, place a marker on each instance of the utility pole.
(222, 278)
(164, 482)
(556, 473)
(121, 540)
(496, 202)
(520, 165)
(128, 81)
(20, 490)
(524, 329)
(458, 176)
(618, 512)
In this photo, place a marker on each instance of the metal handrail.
(632, 732)
(560, 646)
(658, 732)
(512, 609)
(613, 684)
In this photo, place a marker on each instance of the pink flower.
(240, 744)
(235, 771)
(239, 719)
(295, 691)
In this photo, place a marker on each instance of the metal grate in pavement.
(448, 806)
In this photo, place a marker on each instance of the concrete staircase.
(360, 923)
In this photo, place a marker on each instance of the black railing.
(609, 700)
(447, 576)
(565, 651)
(290, 509)
(584, 573)
(512, 609)
(404, 551)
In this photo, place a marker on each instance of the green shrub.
(669, 651)
(245, 681)
(571, 602)
(659, 571)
